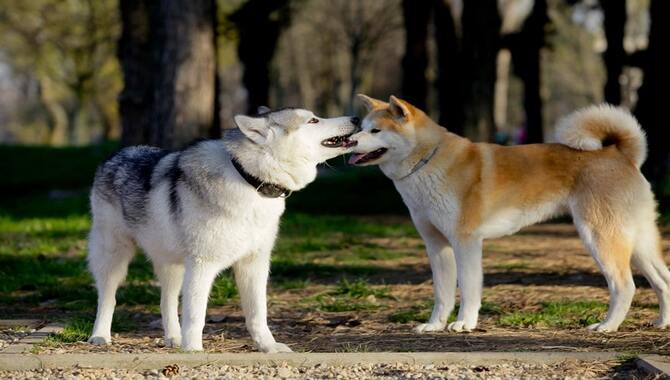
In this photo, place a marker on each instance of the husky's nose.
(356, 121)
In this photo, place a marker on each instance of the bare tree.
(481, 39)
(414, 63)
(259, 23)
(615, 55)
(650, 109)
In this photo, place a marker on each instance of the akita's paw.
(100, 340)
(602, 327)
(173, 342)
(274, 348)
(460, 326)
(662, 323)
(429, 327)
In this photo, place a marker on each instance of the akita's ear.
(371, 103)
(263, 109)
(400, 108)
(255, 128)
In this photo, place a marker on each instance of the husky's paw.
(173, 342)
(662, 323)
(460, 326)
(602, 327)
(274, 348)
(428, 327)
(100, 340)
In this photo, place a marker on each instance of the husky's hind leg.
(109, 253)
(171, 277)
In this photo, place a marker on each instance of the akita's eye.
(375, 130)
(313, 121)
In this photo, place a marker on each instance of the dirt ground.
(523, 273)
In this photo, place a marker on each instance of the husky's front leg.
(251, 275)
(198, 280)
(470, 279)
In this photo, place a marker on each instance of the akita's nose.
(356, 121)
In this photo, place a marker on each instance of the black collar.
(268, 190)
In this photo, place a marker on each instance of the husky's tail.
(593, 127)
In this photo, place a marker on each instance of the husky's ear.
(400, 108)
(371, 103)
(263, 109)
(255, 128)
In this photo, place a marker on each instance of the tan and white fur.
(468, 192)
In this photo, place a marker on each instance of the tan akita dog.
(459, 193)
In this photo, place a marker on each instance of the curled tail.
(593, 127)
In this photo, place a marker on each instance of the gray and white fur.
(194, 215)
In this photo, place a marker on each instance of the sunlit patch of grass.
(223, 290)
(421, 312)
(290, 284)
(557, 314)
(78, 330)
(417, 313)
(512, 266)
(351, 296)
(354, 347)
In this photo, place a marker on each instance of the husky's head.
(390, 131)
(286, 145)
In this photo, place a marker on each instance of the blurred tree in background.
(67, 49)
(501, 70)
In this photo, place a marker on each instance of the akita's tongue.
(355, 158)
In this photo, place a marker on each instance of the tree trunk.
(184, 77)
(258, 34)
(614, 56)
(651, 105)
(480, 44)
(448, 75)
(526, 47)
(415, 61)
(217, 123)
(135, 56)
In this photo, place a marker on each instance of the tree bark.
(615, 55)
(135, 55)
(258, 35)
(184, 78)
(480, 44)
(651, 106)
(448, 74)
(526, 47)
(414, 85)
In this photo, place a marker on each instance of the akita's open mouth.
(361, 158)
(339, 142)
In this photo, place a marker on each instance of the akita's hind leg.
(612, 250)
(109, 253)
(171, 277)
(647, 257)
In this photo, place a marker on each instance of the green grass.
(351, 296)
(421, 312)
(563, 314)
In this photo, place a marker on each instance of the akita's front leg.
(251, 275)
(470, 279)
(443, 267)
(198, 280)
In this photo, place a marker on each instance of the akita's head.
(389, 131)
(293, 141)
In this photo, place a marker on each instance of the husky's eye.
(313, 121)
(375, 130)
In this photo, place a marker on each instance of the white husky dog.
(200, 210)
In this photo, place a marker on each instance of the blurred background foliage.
(81, 72)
